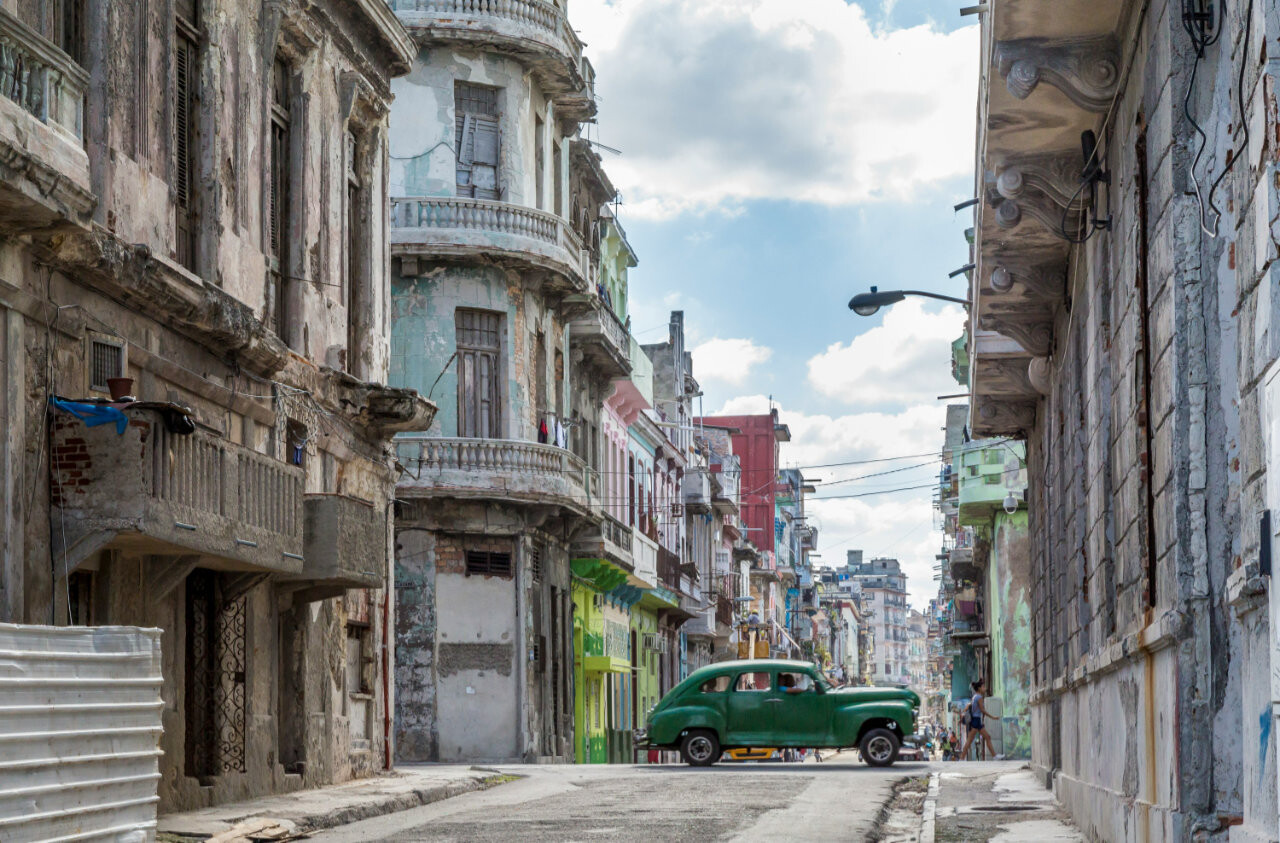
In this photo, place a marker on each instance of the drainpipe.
(386, 635)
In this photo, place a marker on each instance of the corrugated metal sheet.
(79, 733)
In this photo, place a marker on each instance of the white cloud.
(730, 361)
(883, 522)
(904, 360)
(718, 102)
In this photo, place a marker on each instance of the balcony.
(451, 227)
(154, 492)
(988, 472)
(601, 336)
(346, 544)
(668, 569)
(493, 469)
(697, 491)
(44, 171)
(534, 31)
(612, 541)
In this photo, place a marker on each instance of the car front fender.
(851, 718)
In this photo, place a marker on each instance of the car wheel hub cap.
(700, 749)
(880, 749)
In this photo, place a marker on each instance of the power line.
(868, 494)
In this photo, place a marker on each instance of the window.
(795, 683)
(357, 236)
(716, 685)
(557, 174)
(106, 361)
(186, 72)
(279, 199)
(68, 23)
(482, 563)
(753, 682)
(477, 138)
(535, 563)
(539, 160)
(479, 346)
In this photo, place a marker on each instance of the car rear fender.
(855, 719)
(670, 724)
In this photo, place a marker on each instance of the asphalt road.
(839, 799)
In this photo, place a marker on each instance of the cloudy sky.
(778, 156)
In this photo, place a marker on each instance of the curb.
(929, 817)
(482, 779)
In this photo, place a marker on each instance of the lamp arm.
(952, 299)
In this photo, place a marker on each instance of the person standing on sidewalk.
(977, 725)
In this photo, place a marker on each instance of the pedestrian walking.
(976, 723)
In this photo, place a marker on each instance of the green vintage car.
(781, 704)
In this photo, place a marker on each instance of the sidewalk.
(289, 815)
(995, 801)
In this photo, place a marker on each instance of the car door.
(801, 711)
(750, 715)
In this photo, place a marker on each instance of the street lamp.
(866, 304)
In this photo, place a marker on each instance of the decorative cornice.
(1055, 174)
(1044, 281)
(1033, 332)
(1087, 70)
(996, 415)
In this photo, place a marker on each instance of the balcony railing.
(456, 226)
(669, 569)
(697, 490)
(497, 469)
(535, 30)
(172, 494)
(41, 78)
(605, 338)
(724, 610)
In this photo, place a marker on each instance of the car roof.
(755, 664)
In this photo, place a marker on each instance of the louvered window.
(186, 69)
(106, 361)
(356, 237)
(278, 194)
(481, 563)
(477, 139)
(535, 563)
(479, 373)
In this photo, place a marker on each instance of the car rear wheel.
(879, 747)
(700, 748)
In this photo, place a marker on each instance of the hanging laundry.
(542, 431)
(562, 436)
(93, 414)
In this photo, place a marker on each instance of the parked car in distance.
(778, 704)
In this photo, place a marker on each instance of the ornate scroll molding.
(1040, 375)
(1035, 204)
(1056, 175)
(1034, 332)
(1042, 281)
(1087, 70)
(1003, 376)
(996, 415)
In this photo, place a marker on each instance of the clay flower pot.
(120, 388)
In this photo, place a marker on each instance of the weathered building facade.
(193, 300)
(496, 253)
(1124, 323)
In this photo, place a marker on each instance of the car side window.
(795, 683)
(715, 685)
(753, 682)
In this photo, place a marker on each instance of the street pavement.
(840, 799)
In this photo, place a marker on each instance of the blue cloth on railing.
(93, 414)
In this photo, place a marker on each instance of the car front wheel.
(879, 747)
(700, 748)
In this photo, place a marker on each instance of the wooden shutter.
(479, 374)
(185, 72)
(477, 140)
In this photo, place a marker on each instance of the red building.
(755, 442)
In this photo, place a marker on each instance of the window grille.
(487, 564)
(106, 361)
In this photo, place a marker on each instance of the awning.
(605, 664)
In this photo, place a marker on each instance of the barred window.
(482, 563)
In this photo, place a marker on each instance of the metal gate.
(215, 678)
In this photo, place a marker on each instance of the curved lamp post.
(866, 304)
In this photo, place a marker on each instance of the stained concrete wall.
(199, 338)
(1148, 695)
(1009, 610)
